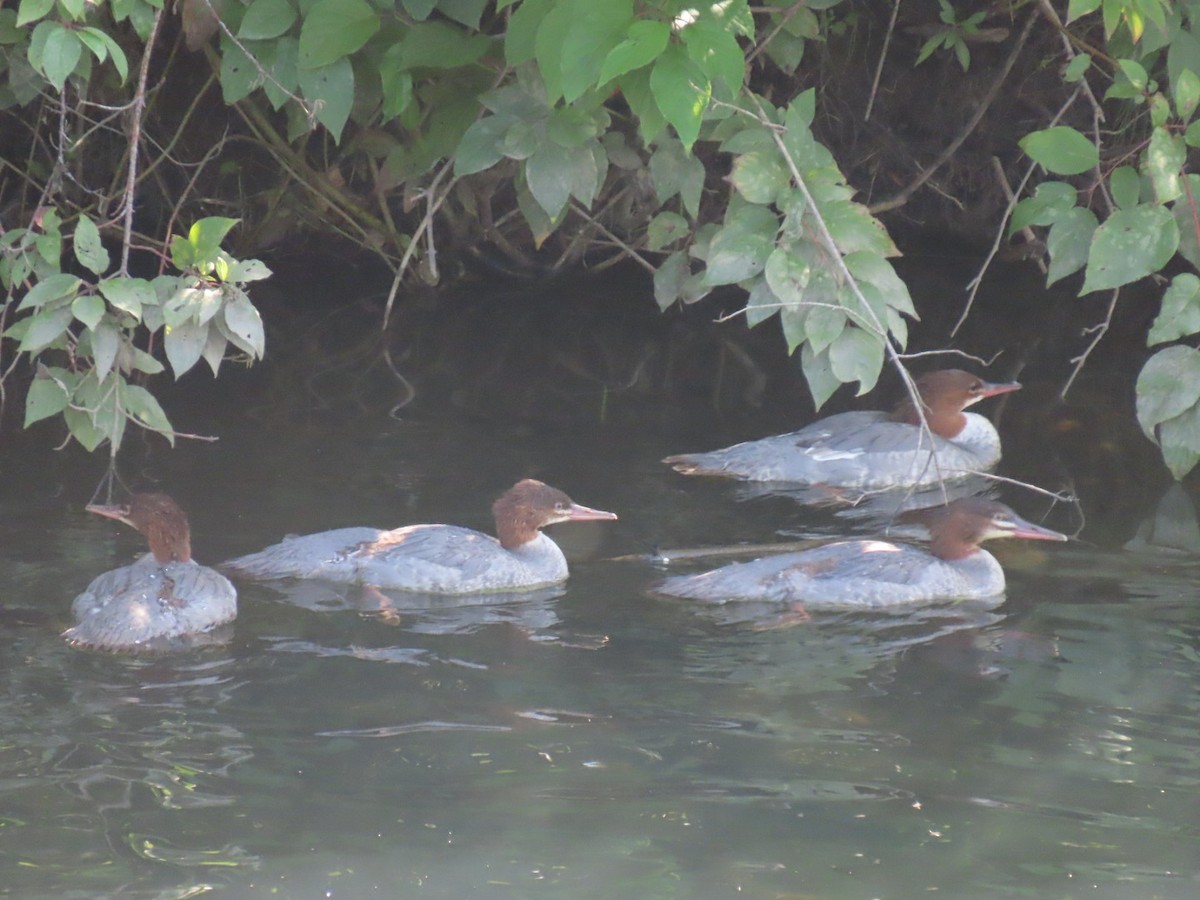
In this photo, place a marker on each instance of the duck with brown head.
(163, 600)
(870, 450)
(435, 559)
(876, 574)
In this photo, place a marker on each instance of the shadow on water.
(594, 740)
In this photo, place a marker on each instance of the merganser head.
(530, 505)
(960, 527)
(945, 394)
(159, 518)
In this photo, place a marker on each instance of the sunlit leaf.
(760, 176)
(1061, 150)
(1179, 316)
(183, 344)
(1069, 243)
(644, 42)
(1130, 244)
(88, 309)
(244, 322)
(681, 91)
(53, 287)
(45, 328)
(740, 249)
(145, 408)
(60, 55)
(595, 31)
(1164, 160)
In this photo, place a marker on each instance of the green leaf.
(1130, 244)
(1077, 68)
(145, 408)
(60, 55)
(760, 176)
(83, 429)
(762, 304)
(481, 147)
(1164, 162)
(266, 19)
(45, 328)
(32, 10)
(824, 325)
(665, 229)
(333, 29)
(239, 75)
(1168, 386)
(128, 294)
(595, 31)
(1187, 94)
(1069, 242)
(244, 270)
(440, 45)
(88, 309)
(675, 171)
(857, 356)
(1135, 73)
(548, 44)
(818, 372)
(279, 58)
(681, 91)
(183, 344)
(468, 12)
(1051, 200)
(740, 249)
(872, 269)
(89, 250)
(1179, 316)
(53, 287)
(333, 86)
(521, 37)
(853, 229)
(245, 326)
(419, 9)
(46, 397)
(645, 41)
(396, 81)
(669, 279)
(716, 53)
(205, 237)
(788, 270)
(554, 173)
(1061, 150)
(635, 88)
(106, 342)
(1126, 186)
(1077, 8)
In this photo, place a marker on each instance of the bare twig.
(1013, 198)
(432, 204)
(1098, 331)
(579, 210)
(138, 108)
(887, 42)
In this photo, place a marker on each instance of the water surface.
(592, 741)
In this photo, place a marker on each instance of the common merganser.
(871, 450)
(435, 559)
(876, 574)
(163, 596)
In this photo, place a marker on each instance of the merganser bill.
(872, 450)
(876, 574)
(435, 559)
(163, 596)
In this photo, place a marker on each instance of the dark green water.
(593, 742)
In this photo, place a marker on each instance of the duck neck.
(945, 422)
